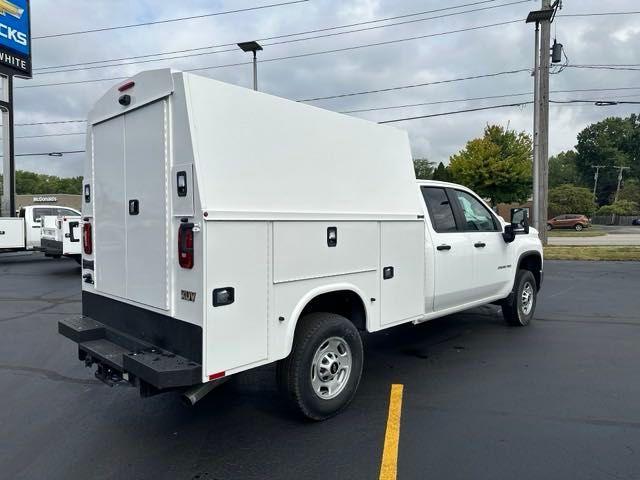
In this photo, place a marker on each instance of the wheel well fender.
(532, 261)
(343, 299)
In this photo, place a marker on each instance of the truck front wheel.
(321, 375)
(519, 307)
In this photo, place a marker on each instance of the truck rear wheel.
(321, 375)
(519, 307)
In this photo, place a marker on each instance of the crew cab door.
(492, 269)
(452, 251)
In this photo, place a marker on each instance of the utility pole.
(536, 132)
(595, 177)
(620, 172)
(543, 149)
(542, 18)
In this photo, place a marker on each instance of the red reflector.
(215, 376)
(87, 242)
(126, 86)
(185, 245)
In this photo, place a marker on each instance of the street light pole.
(252, 47)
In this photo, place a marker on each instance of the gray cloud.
(587, 40)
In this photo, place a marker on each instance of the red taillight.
(185, 245)
(87, 242)
(126, 86)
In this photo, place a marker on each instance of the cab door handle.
(443, 247)
(480, 245)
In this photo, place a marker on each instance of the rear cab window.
(440, 209)
(38, 213)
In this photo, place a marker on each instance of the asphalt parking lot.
(556, 400)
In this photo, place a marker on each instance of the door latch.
(134, 207)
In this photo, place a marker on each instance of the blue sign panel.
(15, 35)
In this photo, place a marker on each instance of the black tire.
(514, 309)
(578, 227)
(549, 227)
(294, 373)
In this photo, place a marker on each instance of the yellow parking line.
(389, 466)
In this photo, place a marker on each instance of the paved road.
(616, 235)
(556, 400)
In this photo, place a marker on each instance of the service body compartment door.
(236, 258)
(146, 193)
(130, 201)
(110, 207)
(12, 233)
(402, 292)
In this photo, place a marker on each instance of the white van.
(225, 229)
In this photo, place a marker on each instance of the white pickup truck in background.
(224, 229)
(24, 231)
(61, 237)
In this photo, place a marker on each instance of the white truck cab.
(224, 229)
(24, 231)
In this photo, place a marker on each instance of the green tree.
(571, 199)
(621, 207)
(630, 191)
(29, 183)
(442, 173)
(497, 166)
(612, 142)
(423, 168)
(562, 170)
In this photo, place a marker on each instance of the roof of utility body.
(258, 156)
(261, 156)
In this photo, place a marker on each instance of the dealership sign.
(15, 37)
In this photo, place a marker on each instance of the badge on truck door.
(188, 296)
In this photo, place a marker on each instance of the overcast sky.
(588, 40)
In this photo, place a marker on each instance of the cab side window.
(65, 212)
(477, 217)
(440, 209)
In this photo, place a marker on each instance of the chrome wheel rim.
(526, 299)
(331, 368)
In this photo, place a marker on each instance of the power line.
(48, 123)
(234, 49)
(605, 67)
(308, 54)
(50, 135)
(575, 90)
(169, 20)
(455, 112)
(460, 100)
(48, 154)
(597, 14)
(402, 87)
(493, 107)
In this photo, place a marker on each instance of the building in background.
(58, 200)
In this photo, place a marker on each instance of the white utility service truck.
(224, 229)
(61, 237)
(24, 231)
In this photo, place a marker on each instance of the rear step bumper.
(51, 247)
(119, 355)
